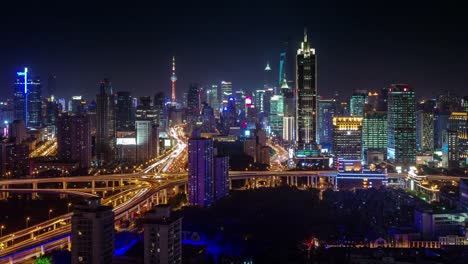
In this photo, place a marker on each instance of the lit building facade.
(200, 174)
(450, 155)
(92, 233)
(306, 96)
(458, 121)
(424, 131)
(327, 110)
(374, 132)
(162, 236)
(221, 176)
(401, 149)
(357, 103)
(276, 115)
(226, 90)
(347, 138)
(27, 99)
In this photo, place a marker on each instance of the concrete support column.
(93, 185)
(64, 185)
(165, 195)
(176, 189)
(157, 198)
(138, 208)
(230, 185)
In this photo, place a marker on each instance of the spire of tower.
(267, 68)
(305, 34)
(173, 81)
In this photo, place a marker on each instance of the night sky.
(360, 44)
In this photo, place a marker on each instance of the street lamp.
(1, 230)
(27, 221)
(50, 211)
(68, 207)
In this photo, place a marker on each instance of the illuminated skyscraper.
(105, 127)
(212, 96)
(268, 82)
(357, 102)
(425, 131)
(458, 121)
(450, 154)
(276, 115)
(401, 118)
(193, 97)
(226, 91)
(28, 99)
(347, 137)
(173, 82)
(327, 110)
(306, 96)
(374, 132)
(200, 174)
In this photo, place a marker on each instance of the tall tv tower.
(173, 80)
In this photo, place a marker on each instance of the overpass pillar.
(93, 185)
(230, 186)
(10, 260)
(165, 196)
(68, 243)
(42, 250)
(121, 183)
(138, 208)
(176, 189)
(64, 185)
(34, 185)
(157, 198)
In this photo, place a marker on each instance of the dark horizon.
(360, 45)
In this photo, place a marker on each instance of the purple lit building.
(208, 174)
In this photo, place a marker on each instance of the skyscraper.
(74, 139)
(193, 97)
(458, 121)
(401, 118)
(276, 115)
(212, 95)
(450, 154)
(145, 111)
(357, 102)
(51, 85)
(306, 96)
(200, 174)
(268, 79)
(347, 137)
(92, 233)
(27, 99)
(327, 110)
(163, 236)
(424, 131)
(221, 177)
(125, 112)
(374, 132)
(145, 140)
(226, 90)
(105, 129)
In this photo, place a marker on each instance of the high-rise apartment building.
(347, 137)
(105, 127)
(146, 140)
(401, 118)
(162, 237)
(92, 233)
(306, 96)
(221, 177)
(212, 96)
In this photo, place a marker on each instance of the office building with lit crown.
(401, 149)
(306, 96)
(92, 233)
(347, 137)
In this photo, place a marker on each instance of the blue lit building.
(27, 99)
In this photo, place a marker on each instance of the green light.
(43, 260)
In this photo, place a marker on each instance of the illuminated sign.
(167, 142)
(248, 100)
(126, 141)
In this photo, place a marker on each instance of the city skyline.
(364, 49)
